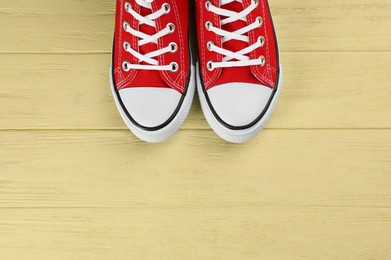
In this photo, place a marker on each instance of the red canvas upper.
(178, 15)
(265, 75)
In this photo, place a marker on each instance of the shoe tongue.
(234, 45)
(145, 28)
(241, 74)
(148, 78)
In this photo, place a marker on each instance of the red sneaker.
(152, 77)
(239, 74)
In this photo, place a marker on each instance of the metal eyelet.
(125, 66)
(209, 45)
(256, 2)
(263, 60)
(209, 65)
(174, 67)
(260, 21)
(166, 7)
(126, 46)
(128, 7)
(126, 26)
(174, 47)
(171, 27)
(261, 40)
(209, 25)
(207, 5)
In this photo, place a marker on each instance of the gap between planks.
(109, 52)
(187, 206)
(191, 129)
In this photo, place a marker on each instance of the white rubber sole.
(168, 131)
(236, 136)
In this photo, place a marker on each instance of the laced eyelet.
(256, 2)
(126, 46)
(174, 47)
(209, 25)
(209, 65)
(126, 25)
(174, 67)
(263, 61)
(125, 66)
(166, 7)
(207, 5)
(260, 21)
(128, 6)
(261, 40)
(171, 26)
(145, 61)
(209, 45)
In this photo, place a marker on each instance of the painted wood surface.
(75, 184)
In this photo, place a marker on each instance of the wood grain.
(321, 90)
(196, 168)
(74, 184)
(196, 233)
(87, 26)
(316, 194)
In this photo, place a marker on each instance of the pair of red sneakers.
(238, 75)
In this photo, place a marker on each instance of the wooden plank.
(196, 233)
(87, 26)
(314, 185)
(285, 168)
(309, 194)
(321, 90)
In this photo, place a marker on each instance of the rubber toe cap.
(150, 107)
(239, 104)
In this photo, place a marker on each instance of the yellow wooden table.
(75, 183)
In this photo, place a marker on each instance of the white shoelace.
(152, 64)
(241, 56)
